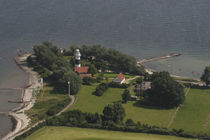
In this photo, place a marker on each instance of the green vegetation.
(109, 59)
(88, 102)
(101, 89)
(48, 99)
(64, 133)
(193, 115)
(52, 65)
(126, 96)
(151, 113)
(206, 76)
(113, 75)
(146, 115)
(114, 113)
(165, 91)
(91, 103)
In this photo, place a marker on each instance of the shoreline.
(18, 114)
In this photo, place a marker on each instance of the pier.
(4, 113)
(158, 58)
(11, 88)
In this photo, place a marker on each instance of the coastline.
(18, 115)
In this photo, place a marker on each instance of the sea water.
(142, 28)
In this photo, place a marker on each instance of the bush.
(118, 85)
(58, 107)
(101, 89)
(126, 95)
(88, 80)
(130, 122)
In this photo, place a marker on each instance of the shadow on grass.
(147, 105)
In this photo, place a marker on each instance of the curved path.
(73, 99)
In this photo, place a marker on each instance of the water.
(142, 28)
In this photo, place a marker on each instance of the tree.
(92, 69)
(130, 122)
(126, 95)
(165, 91)
(64, 74)
(88, 80)
(206, 76)
(114, 112)
(139, 80)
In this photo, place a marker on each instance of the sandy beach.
(28, 98)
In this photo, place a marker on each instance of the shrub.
(118, 85)
(101, 89)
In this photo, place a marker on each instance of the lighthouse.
(77, 58)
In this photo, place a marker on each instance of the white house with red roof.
(120, 78)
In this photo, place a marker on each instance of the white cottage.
(120, 78)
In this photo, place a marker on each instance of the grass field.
(91, 103)
(69, 133)
(47, 98)
(158, 117)
(194, 112)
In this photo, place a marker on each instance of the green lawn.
(69, 133)
(47, 98)
(194, 113)
(158, 117)
(91, 103)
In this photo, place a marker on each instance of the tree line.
(108, 59)
(51, 65)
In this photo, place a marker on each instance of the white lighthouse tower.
(77, 58)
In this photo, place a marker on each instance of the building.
(120, 78)
(77, 58)
(143, 86)
(82, 71)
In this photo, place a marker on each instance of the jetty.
(158, 58)
(4, 113)
(11, 88)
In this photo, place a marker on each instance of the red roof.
(85, 75)
(81, 69)
(121, 76)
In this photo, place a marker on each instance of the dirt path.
(73, 99)
(177, 109)
(130, 79)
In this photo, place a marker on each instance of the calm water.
(142, 28)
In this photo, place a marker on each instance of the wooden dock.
(158, 58)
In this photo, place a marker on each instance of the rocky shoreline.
(19, 119)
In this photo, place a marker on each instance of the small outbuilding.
(120, 78)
